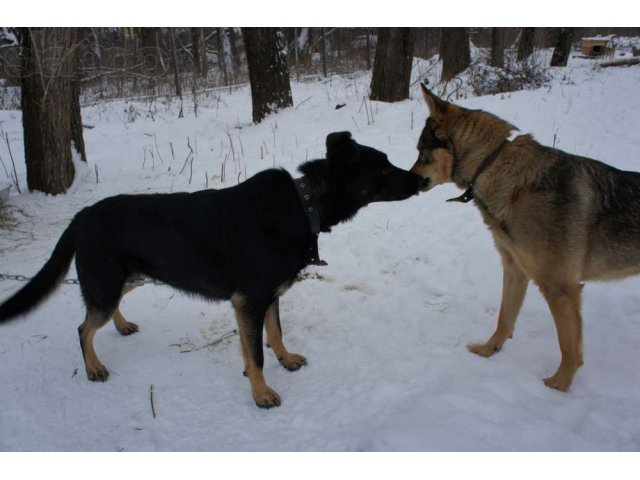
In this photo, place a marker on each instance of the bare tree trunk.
(47, 72)
(297, 53)
(368, 48)
(392, 65)
(454, 51)
(199, 51)
(230, 45)
(76, 116)
(268, 71)
(226, 54)
(150, 50)
(497, 47)
(324, 52)
(562, 49)
(526, 44)
(222, 61)
(176, 69)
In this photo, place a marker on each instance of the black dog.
(245, 244)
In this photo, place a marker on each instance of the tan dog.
(556, 218)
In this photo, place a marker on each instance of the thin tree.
(150, 50)
(454, 51)
(526, 43)
(562, 49)
(268, 71)
(497, 47)
(76, 116)
(47, 74)
(323, 46)
(392, 65)
(199, 49)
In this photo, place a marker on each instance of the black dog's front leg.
(290, 361)
(250, 315)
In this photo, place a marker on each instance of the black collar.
(308, 203)
(310, 208)
(468, 194)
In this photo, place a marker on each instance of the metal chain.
(138, 282)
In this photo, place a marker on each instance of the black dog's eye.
(386, 171)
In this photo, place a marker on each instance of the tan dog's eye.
(424, 158)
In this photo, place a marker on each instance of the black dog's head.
(367, 172)
(355, 175)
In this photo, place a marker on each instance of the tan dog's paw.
(267, 398)
(483, 349)
(560, 381)
(293, 361)
(97, 373)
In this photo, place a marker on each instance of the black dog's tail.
(46, 280)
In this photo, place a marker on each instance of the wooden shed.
(597, 46)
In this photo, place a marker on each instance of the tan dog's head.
(435, 151)
(476, 135)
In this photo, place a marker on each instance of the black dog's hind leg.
(101, 282)
(122, 325)
(250, 314)
(290, 361)
(93, 321)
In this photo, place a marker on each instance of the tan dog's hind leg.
(564, 303)
(290, 361)
(514, 288)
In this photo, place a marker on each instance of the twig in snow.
(155, 140)
(306, 100)
(13, 163)
(153, 408)
(206, 345)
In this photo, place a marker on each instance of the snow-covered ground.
(385, 325)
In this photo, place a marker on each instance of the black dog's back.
(210, 243)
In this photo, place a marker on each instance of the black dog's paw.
(293, 362)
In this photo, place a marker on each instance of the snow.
(384, 326)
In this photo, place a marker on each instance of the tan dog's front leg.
(514, 288)
(564, 303)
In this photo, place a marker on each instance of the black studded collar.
(310, 207)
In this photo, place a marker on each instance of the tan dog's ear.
(437, 107)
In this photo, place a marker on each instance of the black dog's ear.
(337, 139)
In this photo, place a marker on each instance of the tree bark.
(199, 51)
(47, 73)
(392, 65)
(323, 45)
(525, 46)
(150, 50)
(268, 71)
(76, 116)
(454, 51)
(562, 49)
(497, 47)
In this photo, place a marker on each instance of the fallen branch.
(210, 344)
(621, 63)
